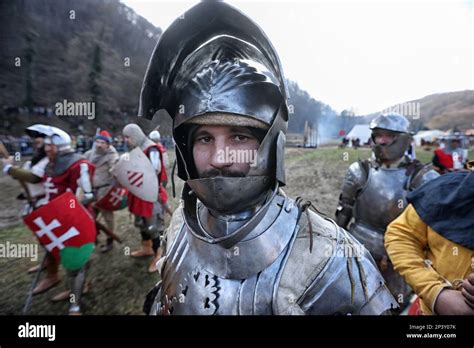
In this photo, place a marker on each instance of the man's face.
(38, 142)
(101, 145)
(128, 141)
(224, 150)
(51, 151)
(383, 137)
(455, 144)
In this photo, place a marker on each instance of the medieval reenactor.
(450, 155)
(140, 171)
(62, 224)
(155, 136)
(374, 192)
(238, 244)
(104, 156)
(431, 244)
(31, 174)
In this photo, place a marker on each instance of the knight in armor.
(31, 173)
(68, 171)
(237, 244)
(104, 156)
(65, 171)
(374, 192)
(149, 216)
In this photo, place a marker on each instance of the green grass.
(346, 154)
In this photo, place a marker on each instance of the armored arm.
(424, 174)
(353, 183)
(349, 284)
(338, 277)
(150, 305)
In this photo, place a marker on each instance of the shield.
(114, 199)
(66, 229)
(135, 172)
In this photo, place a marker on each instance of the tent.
(361, 131)
(428, 135)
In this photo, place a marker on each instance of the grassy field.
(119, 283)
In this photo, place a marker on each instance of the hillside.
(444, 111)
(448, 110)
(78, 51)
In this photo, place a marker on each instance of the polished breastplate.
(206, 276)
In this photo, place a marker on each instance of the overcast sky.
(366, 55)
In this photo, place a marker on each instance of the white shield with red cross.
(66, 229)
(114, 199)
(135, 172)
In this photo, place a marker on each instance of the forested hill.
(79, 51)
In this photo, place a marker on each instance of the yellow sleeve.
(406, 242)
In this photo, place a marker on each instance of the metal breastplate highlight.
(382, 199)
(205, 279)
